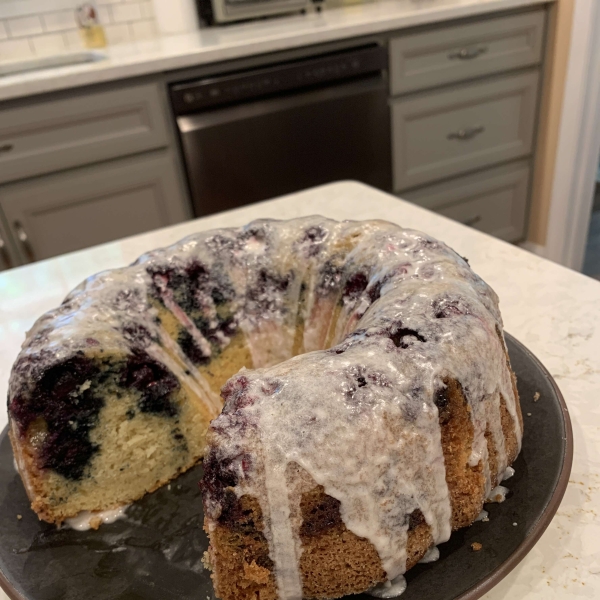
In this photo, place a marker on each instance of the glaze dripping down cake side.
(338, 470)
(369, 403)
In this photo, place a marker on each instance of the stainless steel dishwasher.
(256, 134)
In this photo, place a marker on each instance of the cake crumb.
(514, 524)
(19, 517)
(95, 522)
(169, 487)
(485, 520)
(528, 414)
(255, 573)
(476, 546)
(536, 396)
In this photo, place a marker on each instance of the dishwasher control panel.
(193, 96)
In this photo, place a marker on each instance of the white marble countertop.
(555, 312)
(210, 45)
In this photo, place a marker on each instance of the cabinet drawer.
(54, 135)
(493, 201)
(76, 209)
(425, 60)
(441, 134)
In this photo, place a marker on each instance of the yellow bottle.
(92, 33)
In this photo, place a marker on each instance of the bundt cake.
(369, 402)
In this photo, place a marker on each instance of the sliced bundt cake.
(369, 403)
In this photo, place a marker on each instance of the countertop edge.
(115, 68)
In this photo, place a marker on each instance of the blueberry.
(399, 333)
(355, 285)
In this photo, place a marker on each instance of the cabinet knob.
(472, 220)
(466, 134)
(468, 53)
(24, 240)
(4, 254)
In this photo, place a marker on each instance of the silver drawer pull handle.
(466, 134)
(472, 221)
(4, 255)
(25, 243)
(6, 148)
(468, 53)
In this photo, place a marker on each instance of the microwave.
(226, 11)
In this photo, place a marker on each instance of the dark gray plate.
(156, 552)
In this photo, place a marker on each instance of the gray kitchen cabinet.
(493, 201)
(8, 254)
(451, 54)
(84, 128)
(83, 207)
(444, 133)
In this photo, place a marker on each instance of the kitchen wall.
(30, 28)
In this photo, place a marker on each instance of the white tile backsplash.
(147, 10)
(18, 8)
(105, 15)
(144, 30)
(74, 43)
(126, 13)
(48, 44)
(24, 26)
(31, 28)
(15, 49)
(118, 33)
(61, 20)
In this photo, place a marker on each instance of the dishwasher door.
(265, 148)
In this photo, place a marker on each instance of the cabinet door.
(445, 133)
(84, 207)
(8, 254)
(493, 201)
(428, 59)
(52, 134)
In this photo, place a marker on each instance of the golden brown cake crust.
(334, 561)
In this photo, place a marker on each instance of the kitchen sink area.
(50, 62)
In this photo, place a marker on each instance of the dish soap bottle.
(92, 33)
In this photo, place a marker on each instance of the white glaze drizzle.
(85, 520)
(483, 516)
(498, 494)
(508, 473)
(389, 589)
(181, 316)
(432, 555)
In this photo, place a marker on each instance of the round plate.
(155, 553)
